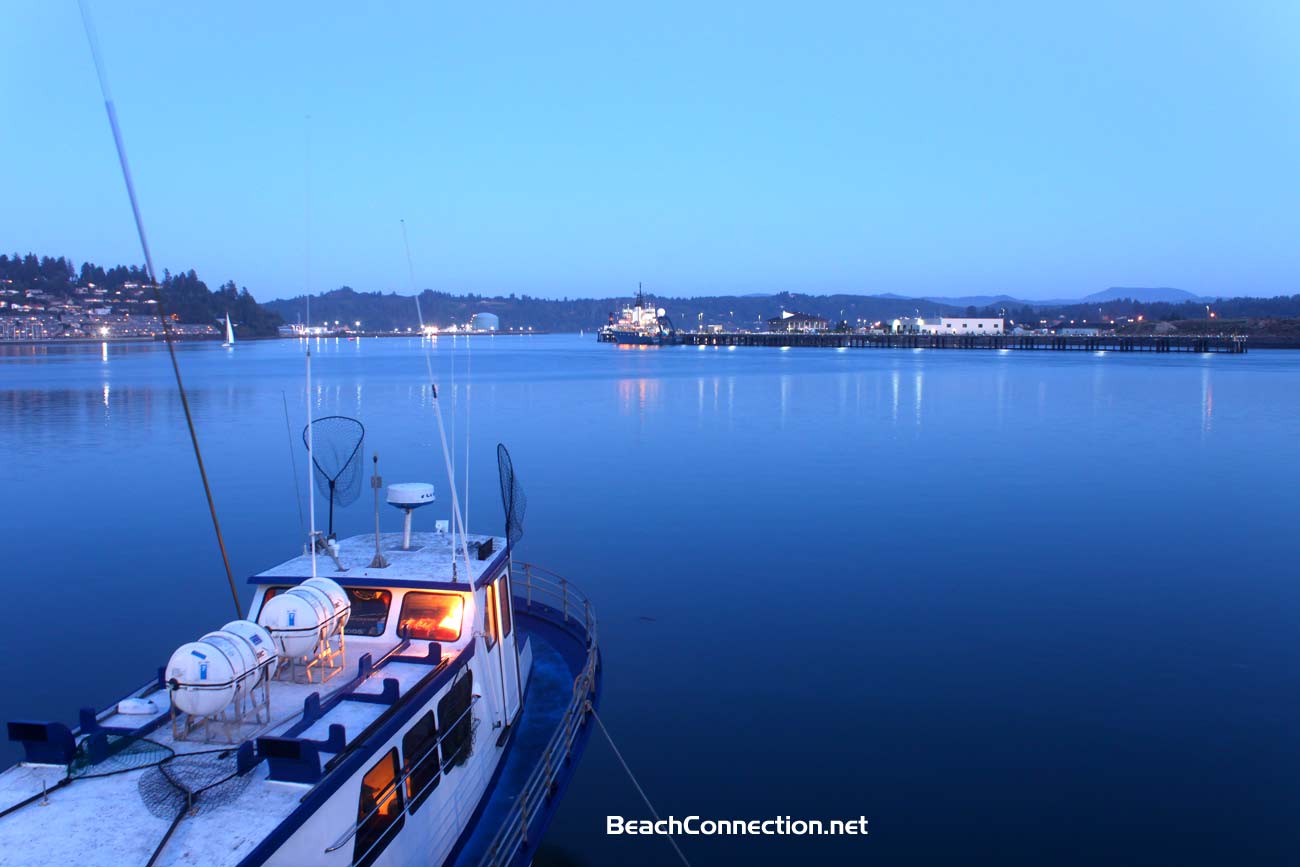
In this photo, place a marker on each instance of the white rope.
(442, 431)
(632, 777)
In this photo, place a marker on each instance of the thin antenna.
(437, 410)
(293, 463)
(469, 375)
(376, 483)
(158, 296)
(311, 496)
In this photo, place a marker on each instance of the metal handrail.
(391, 788)
(513, 833)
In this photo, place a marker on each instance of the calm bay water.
(1015, 608)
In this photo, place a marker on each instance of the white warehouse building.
(485, 322)
(969, 325)
(948, 325)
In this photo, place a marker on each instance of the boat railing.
(546, 594)
(381, 798)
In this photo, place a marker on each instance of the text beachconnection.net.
(695, 826)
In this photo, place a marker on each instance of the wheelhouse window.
(431, 616)
(369, 608)
(491, 616)
(379, 811)
(503, 599)
(269, 593)
(456, 721)
(420, 752)
(369, 611)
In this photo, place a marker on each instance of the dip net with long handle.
(513, 500)
(336, 459)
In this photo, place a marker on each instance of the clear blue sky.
(1039, 149)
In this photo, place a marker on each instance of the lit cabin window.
(503, 598)
(369, 611)
(269, 593)
(420, 751)
(379, 811)
(456, 721)
(491, 617)
(369, 608)
(431, 616)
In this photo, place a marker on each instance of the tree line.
(184, 296)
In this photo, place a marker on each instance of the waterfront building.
(970, 325)
(792, 321)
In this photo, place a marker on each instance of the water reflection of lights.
(1207, 401)
(644, 392)
(894, 382)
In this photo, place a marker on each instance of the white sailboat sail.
(230, 333)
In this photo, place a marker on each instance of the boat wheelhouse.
(407, 736)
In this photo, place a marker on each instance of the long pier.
(1231, 345)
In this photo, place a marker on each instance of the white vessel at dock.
(405, 738)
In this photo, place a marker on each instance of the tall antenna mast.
(168, 337)
(311, 495)
(469, 374)
(456, 518)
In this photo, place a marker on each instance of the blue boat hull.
(634, 338)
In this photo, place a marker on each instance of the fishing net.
(203, 781)
(102, 754)
(513, 500)
(336, 458)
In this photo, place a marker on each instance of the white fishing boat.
(422, 700)
(409, 698)
(230, 333)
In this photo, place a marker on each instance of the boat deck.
(124, 814)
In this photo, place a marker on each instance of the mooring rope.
(631, 776)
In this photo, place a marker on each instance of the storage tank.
(205, 676)
(259, 640)
(485, 322)
(299, 620)
(338, 597)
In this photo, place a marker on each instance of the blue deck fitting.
(246, 758)
(290, 760)
(392, 692)
(433, 657)
(44, 743)
(335, 743)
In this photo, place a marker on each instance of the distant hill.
(1164, 294)
(386, 311)
(977, 300)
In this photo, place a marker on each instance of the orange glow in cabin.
(431, 616)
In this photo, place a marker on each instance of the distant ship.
(638, 325)
(230, 333)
